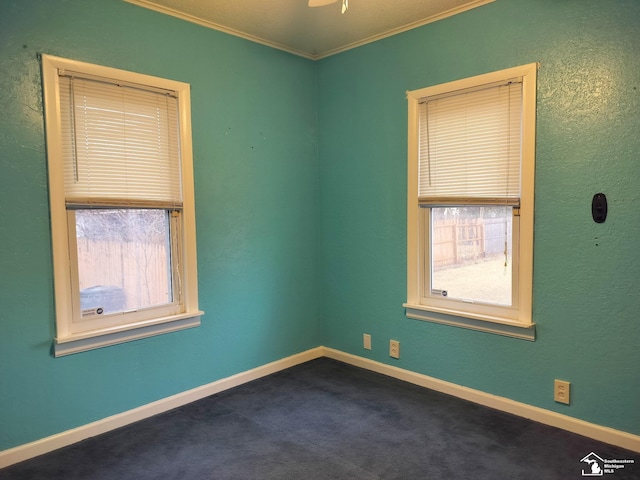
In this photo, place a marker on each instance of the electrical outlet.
(366, 340)
(394, 348)
(561, 391)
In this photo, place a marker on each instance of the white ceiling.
(314, 33)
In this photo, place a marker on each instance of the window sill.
(82, 342)
(497, 326)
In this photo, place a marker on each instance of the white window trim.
(67, 342)
(517, 323)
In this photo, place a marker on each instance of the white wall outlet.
(366, 341)
(561, 391)
(394, 348)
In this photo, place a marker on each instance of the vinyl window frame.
(184, 314)
(515, 320)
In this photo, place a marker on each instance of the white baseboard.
(547, 417)
(54, 442)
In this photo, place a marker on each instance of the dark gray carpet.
(324, 420)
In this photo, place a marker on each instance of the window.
(470, 202)
(122, 204)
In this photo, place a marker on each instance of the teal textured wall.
(293, 159)
(256, 182)
(586, 279)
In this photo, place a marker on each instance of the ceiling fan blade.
(320, 3)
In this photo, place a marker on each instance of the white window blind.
(120, 145)
(470, 146)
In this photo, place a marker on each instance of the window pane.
(471, 253)
(124, 259)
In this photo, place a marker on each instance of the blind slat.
(120, 144)
(469, 145)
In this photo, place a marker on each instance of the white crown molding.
(219, 27)
(231, 31)
(404, 28)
